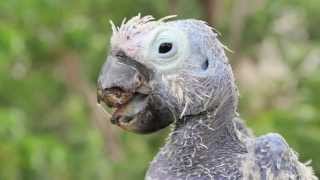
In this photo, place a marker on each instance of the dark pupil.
(165, 47)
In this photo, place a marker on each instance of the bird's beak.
(123, 84)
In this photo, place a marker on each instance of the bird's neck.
(206, 135)
(212, 129)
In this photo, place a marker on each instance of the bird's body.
(186, 79)
(227, 154)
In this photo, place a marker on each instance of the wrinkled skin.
(158, 73)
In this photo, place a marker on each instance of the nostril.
(138, 80)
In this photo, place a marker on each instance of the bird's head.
(159, 71)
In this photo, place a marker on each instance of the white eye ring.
(166, 47)
(164, 37)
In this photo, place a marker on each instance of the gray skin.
(191, 85)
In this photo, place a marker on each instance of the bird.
(162, 72)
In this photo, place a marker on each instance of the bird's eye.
(165, 47)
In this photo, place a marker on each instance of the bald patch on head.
(134, 26)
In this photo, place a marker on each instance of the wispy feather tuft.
(136, 25)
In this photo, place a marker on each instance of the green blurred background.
(51, 52)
